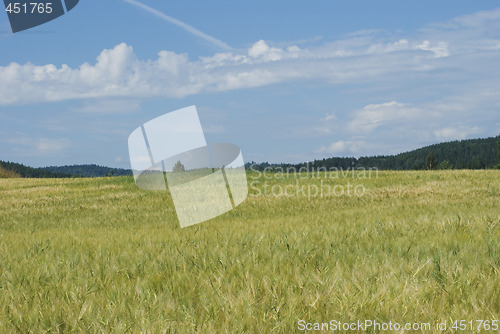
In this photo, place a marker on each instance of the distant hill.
(24, 171)
(87, 171)
(463, 154)
(12, 169)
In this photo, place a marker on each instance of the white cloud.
(363, 57)
(330, 117)
(119, 73)
(493, 47)
(341, 147)
(454, 133)
(262, 50)
(476, 20)
(439, 50)
(373, 116)
(51, 145)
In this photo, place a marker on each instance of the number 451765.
(29, 8)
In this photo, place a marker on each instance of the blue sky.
(285, 80)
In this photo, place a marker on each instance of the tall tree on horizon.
(179, 167)
(498, 143)
(430, 162)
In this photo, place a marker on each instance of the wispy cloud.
(51, 145)
(341, 147)
(109, 106)
(373, 116)
(455, 132)
(28, 145)
(180, 24)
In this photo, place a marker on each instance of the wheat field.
(102, 256)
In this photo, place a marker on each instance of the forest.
(463, 154)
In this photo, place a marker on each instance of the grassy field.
(101, 255)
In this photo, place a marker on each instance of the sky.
(287, 81)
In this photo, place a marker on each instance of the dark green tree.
(445, 165)
(498, 149)
(179, 167)
(430, 161)
(498, 144)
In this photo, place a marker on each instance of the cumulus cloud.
(264, 51)
(367, 57)
(118, 72)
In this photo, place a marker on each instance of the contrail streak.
(181, 24)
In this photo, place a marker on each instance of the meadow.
(101, 255)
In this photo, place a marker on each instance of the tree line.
(91, 170)
(461, 154)
(464, 154)
(30, 172)
(62, 171)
